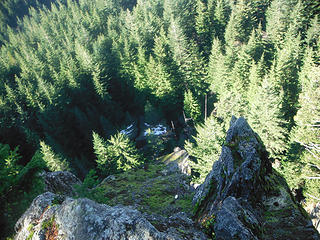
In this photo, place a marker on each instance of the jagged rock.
(244, 198)
(83, 219)
(60, 182)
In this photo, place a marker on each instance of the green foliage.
(52, 161)
(205, 147)
(88, 188)
(191, 107)
(155, 145)
(9, 168)
(217, 69)
(46, 225)
(76, 66)
(19, 186)
(266, 118)
(307, 131)
(116, 154)
(244, 18)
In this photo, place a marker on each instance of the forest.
(74, 74)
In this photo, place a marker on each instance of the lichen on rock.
(82, 219)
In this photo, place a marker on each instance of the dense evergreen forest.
(74, 73)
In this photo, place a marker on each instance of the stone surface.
(177, 162)
(33, 217)
(314, 211)
(83, 219)
(244, 198)
(60, 182)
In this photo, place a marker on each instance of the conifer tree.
(100, 146)
(278, 20)
(205, 147)
(115, 155)
(241, 23)
(313, 33)
(240, 73)
(140, 71)
(217, 69)
(159, 80)
(307, 129)
(220, 17)
(184, 12)
(255, 79)
(188, 60)
(203, 28)
(191, 107)
(266, 118)
(124, 151)
(53, 161)
(286, 72)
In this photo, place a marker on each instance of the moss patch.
(148, 190)
(31, 231)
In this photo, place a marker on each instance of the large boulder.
(60, 182)
(244, 198)
(83, 219)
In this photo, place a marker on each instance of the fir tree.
(191, 107)
(217, 69)
(115, 155)
(266, 118)
(286, 77)
(53, 161)
(187, 58)
(255, 79)
(279, 17)
(307, 130)
(203, 28)
(241, 23)
(220, 17)
(123, 150)
(100, 146)
(205, 147)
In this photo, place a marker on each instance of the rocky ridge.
(243, 197)
(83, 219)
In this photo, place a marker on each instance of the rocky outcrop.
(178, 161)
(60, 182)
(244, 198)
(83, 219)
(314, 211)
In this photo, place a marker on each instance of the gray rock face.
(177, 162)
(244, 198)
(34, 216)
(60, 182)
(314, 211)
(83, 219)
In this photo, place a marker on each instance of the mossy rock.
(149, 190)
